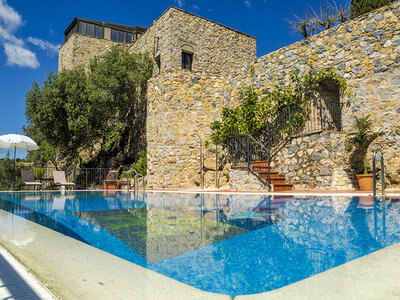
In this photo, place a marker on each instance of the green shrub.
(361, 7)
(141, 166)
(256, 112)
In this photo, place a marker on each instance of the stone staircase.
(278, 182)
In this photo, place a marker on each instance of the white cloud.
(195, 7)
(15, 48)
(9, 18)
(247, 3)
(180, 3)
(17, 55)
(6, 35)
(47, 46)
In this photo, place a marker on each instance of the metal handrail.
(294, 120)
(128, 180)
(200, 160)
(136, 180)
(268, 156)
(244, 148)
(374, 171)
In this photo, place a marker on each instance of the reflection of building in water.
(157, 233)
(167, 226)
(336, 229)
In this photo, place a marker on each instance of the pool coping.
(71, 269)
(349, 193)
(22, 281)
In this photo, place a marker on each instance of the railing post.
(74, 174)
(382, 175)
(216, 165)
(248, 153)
(320, 113)
(269, 160)
(374, 172)
(290, 122)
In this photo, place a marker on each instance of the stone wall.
(157, 40)
(316, 161)
(242, 180)
(366, 52)
(216, 48)
(80, 49)
(181, 103)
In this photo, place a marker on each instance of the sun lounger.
(28, 179)
(59, 179)
(111, 182)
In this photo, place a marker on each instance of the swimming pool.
(228, 244)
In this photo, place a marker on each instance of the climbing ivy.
(256, 112)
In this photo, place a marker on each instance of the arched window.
(187, 56)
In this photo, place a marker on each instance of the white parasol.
(17, 142)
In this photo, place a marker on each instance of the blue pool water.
(228, 244)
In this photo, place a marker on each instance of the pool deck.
(74, 270)
(17, 283)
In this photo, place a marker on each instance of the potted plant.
(360, 138)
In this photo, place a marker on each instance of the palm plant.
(361, 137)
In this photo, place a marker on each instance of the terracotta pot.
(365, 182)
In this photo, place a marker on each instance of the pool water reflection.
(229, 244)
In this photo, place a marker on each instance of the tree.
(360, 7)
(118, 84)
(101, 112)
(329, 14)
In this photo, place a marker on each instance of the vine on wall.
(256, 112)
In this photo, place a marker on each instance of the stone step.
(263, 172)
(278, 180)
(278, 183)
(262, 163)
(282, 187)
(274, 176)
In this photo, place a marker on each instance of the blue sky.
(32, 31)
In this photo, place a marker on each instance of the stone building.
(200, 67)
(84, 39)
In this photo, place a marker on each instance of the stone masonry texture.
(364, 51)
(368, 60)
(80, 49)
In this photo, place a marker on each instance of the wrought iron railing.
(249, 153)
(299, 119)
(294, 120)
(84, 178)
(88, 178)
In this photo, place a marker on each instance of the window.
(74, 28)
(107, 33)
(114, 35)
(187, 59)
(129, 37)
(122, 36)
(90, 29)
(99, 32)
(158, 63)
(82, 27)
